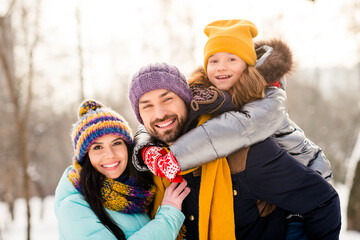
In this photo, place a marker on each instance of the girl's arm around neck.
(231, 131)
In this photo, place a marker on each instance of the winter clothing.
(161, 163)
(274, 60)
(215, 200)
(272, 175)
(77, 220)
(125, 201)
(264, 172)
(205, 101)
(255, 121)
(295, 231)
(215, 192)
(157, 76)
(234, 36)
(123, 195)
(95, 120)
(263, 176)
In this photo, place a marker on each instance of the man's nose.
(160, 112)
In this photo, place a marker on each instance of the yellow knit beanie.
(233, 36)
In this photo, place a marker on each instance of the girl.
(102, 196)
(257, 91)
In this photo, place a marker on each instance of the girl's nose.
(222, 65)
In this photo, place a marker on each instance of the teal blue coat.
(77, 221)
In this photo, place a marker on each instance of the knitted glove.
(162, 163)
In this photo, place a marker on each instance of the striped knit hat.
(95, 121)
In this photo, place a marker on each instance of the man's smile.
(165, 124)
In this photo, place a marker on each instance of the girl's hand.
(175, 194)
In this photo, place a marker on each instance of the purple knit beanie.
(157, 76)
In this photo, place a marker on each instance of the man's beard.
(168, 136)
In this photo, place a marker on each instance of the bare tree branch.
(32, 47)
(80, 53)
(11, 8)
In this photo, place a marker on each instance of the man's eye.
(167, 99)
(146, 106)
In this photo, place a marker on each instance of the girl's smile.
(224, 69)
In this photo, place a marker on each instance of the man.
(160, 98)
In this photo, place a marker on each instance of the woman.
(102, 196)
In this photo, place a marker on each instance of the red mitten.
(162, 163)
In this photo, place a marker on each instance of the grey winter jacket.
(231, 131)
(256, 121)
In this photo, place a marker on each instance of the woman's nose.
(110, 152)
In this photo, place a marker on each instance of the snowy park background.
(91, 49)
(45, 225)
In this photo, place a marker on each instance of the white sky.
(113, 30)
(318, 32)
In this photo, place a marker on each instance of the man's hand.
(175, 194)
(162, 163)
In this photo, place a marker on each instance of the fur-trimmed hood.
(274, 60)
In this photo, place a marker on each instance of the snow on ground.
(46, 227)
(42, 227)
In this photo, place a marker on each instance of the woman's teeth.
(111, 165)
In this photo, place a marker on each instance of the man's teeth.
(111, 165)
(165, 124)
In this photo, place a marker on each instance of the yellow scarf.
(216, 206)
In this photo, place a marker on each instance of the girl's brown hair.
(249, 87)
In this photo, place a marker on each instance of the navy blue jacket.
(272, 175)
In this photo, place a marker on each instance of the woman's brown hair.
(249, 87)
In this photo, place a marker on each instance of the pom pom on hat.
(233, 36)
(95, 121)
(157, 76)
(88, 105)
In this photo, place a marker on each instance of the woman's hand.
(175, 193)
